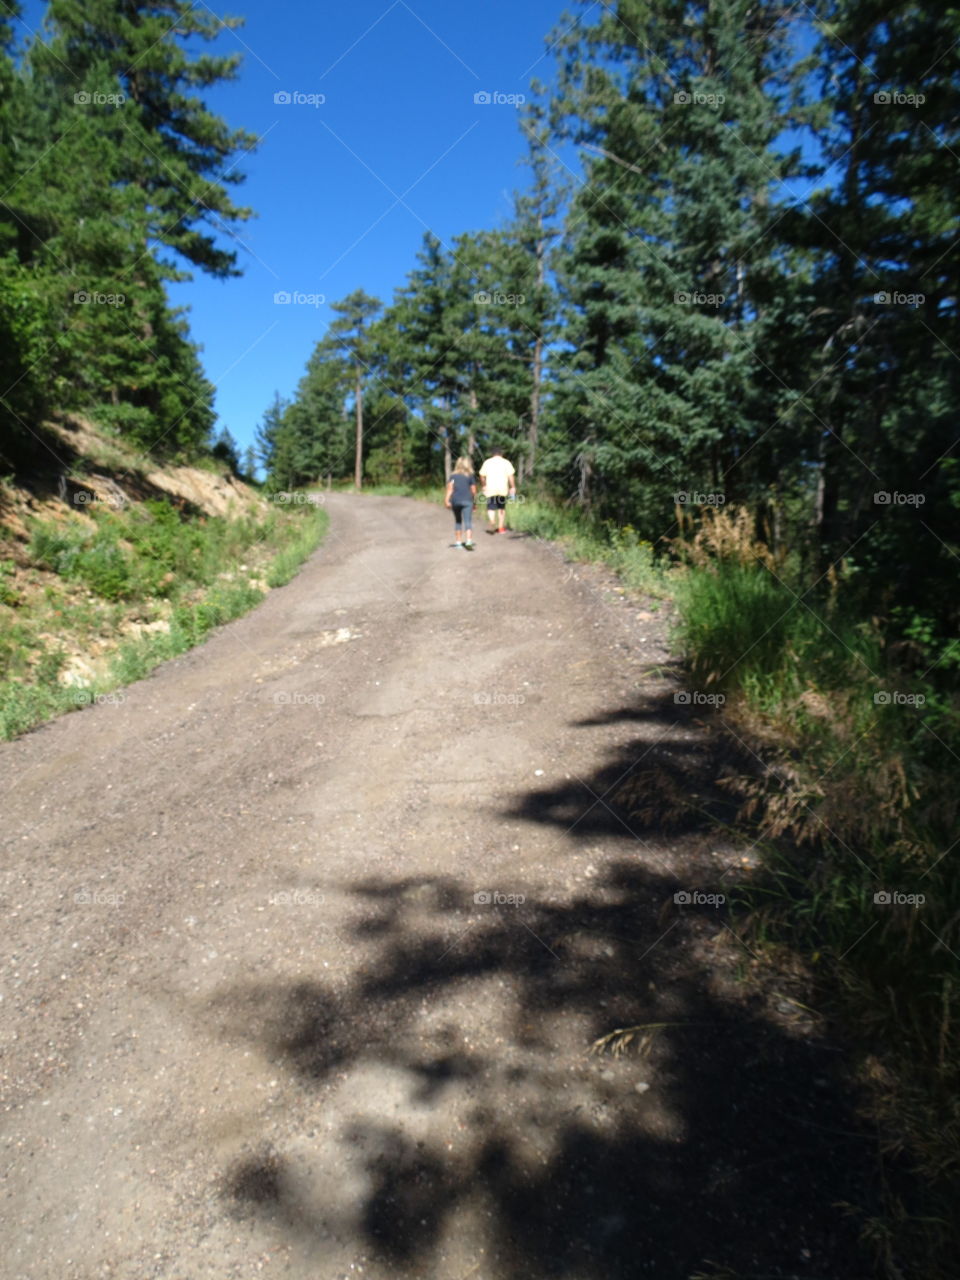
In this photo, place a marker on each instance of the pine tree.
(884, 321)
(8, 16)
(348, 334)
(316, 416)
(486, 358)
(173, 159)
(267, 433)
(250, 464)
(29, 316)
(395, 445)
(114, 159)
(533, 231)
(227, 450)
(668, 264)
(427, 337)
(462, 347)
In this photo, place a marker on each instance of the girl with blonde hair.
(459, 496)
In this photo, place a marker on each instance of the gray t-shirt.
(461, 495)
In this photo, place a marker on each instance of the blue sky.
(345, 191)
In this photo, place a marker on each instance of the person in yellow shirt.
(499, 480)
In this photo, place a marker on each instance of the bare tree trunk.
(777, 523)
(447, 456)
(828, 507)
(534, 430)
(358, 459)
(818, 499)
(586, 471)
(533, 433)
(472, 434)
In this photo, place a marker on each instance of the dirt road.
(307, 936)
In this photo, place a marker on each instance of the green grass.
(141, 562)
(858, 798)
(189, 625)
(8, 594)
(290, 558)
(22, 707)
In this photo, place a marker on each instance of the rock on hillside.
(208, 491)
(87, 465)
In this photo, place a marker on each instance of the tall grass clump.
(849, 742)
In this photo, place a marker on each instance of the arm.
(447, 493)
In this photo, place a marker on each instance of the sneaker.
(468, 546)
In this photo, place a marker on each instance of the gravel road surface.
(307, 937)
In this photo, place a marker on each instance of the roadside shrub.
(91, 557)
(106, 569)
(57, 547)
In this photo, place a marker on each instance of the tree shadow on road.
(670, 778)
(732, 1141)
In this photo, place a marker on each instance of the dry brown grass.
(725, 533)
